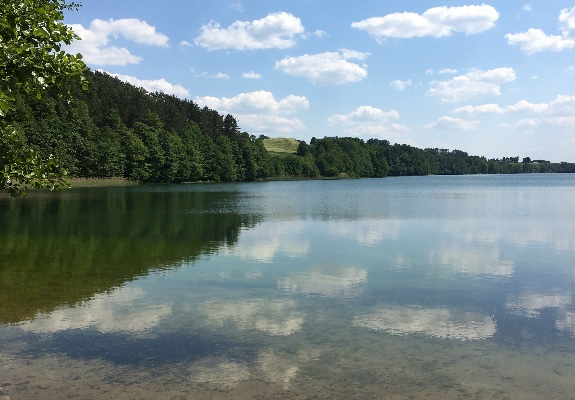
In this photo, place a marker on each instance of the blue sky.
(494, 79)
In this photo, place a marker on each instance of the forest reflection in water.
(425, 288)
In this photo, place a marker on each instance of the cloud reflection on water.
(366, 232)
(531, 304)
(328, 281)
(468, 260)
(263, 242)
(278, 318)
(121, 311)
(436, 322)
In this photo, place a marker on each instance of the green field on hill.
(281, 145)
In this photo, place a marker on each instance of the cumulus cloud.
(449, 123)
(251, 75)
(260, 112)
(525, 123)
(476, 83)
(567, 22)
(330, 68)
(558, 112)
(255, 102)
(156, 85)
(400, 85)
(363, 114)
(95, 47)
(445, 71)
(368, 121)
(435, 22)
(270, 124)
(520, 106)
(277, 30)
(536, 40)
(207, 75)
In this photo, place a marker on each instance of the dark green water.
(431, 287)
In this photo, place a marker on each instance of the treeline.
(114, 129)
(377, 158)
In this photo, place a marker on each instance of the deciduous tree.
(32, 60)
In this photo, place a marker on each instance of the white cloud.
(567, 22)
(557, 112)
(449, 123)
(96, 50)
(520, 106)
(277, 30)
(156, 85)
(535, 40)
(269, 124)
(238, 6)
(563, 103)
(391, 132)
(363, 114)
(475, 83)
(368, 121)
(251, 75)
(527, 7)
(255, 102)
(260, 112)
(435, 22)
(400, 85)
(207, 75)
(330, 68)
(525, 123)
(317, 33)
(446, 71)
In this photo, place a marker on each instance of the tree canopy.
(32, 61)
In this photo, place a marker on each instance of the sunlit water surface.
(428, 287)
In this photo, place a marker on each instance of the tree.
(31, 61)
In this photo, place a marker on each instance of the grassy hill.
(281, 145)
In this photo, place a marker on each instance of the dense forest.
(114, 129)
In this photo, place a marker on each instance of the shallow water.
(423, 287)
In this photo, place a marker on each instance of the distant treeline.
(114, 129)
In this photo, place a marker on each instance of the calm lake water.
(401, 288)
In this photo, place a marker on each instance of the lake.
(403, 288)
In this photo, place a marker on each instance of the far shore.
(100, 182)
